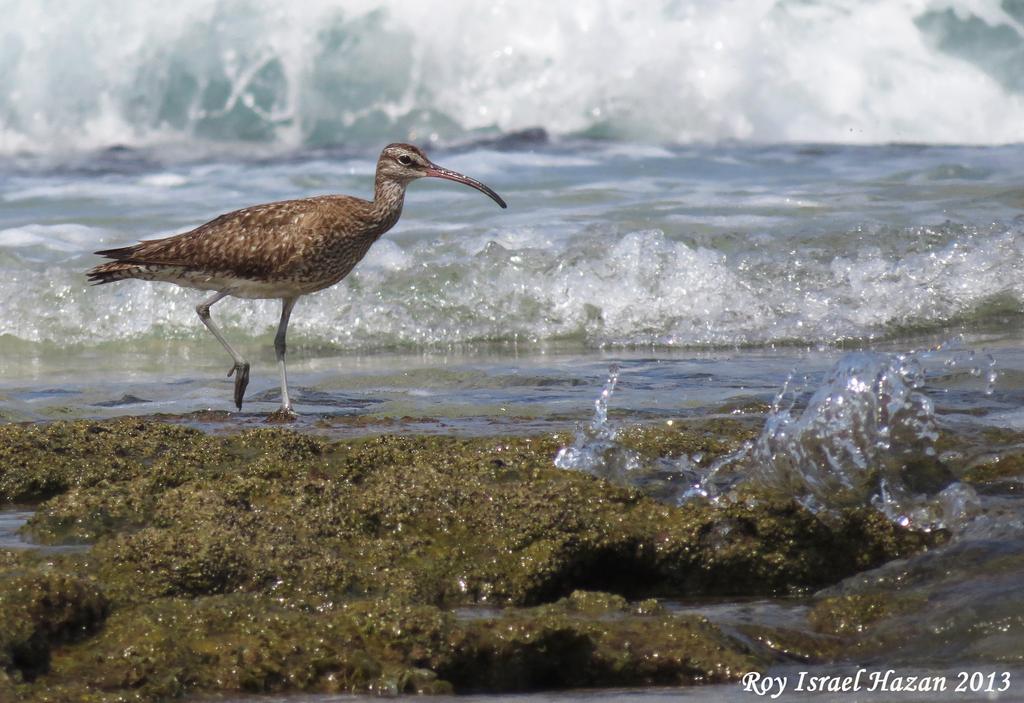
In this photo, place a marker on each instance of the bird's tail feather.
(125, 265)
(113, 271)
(119, 253)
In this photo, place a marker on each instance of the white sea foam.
(87, 75)
(641, 287)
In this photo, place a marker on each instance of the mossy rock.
(168, 647)
(39, 609)
(999, 468)
(548, 648)
(854, 614)
(39, 461)
(431, 519)
(711, 437)
(273, 561)
(240, 643)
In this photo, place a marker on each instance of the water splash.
(594, 448)
(866, 436)
(868, 418)
(953, 508)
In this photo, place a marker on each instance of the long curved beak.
(436, 171)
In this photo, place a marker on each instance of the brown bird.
(279, 250)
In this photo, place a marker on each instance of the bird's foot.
(241, 381)
(282, 414)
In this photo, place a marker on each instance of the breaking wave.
(79, 76)
(519, 284)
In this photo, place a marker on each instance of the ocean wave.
(84, 76)
(520, 284)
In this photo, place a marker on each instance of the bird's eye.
(405, 160)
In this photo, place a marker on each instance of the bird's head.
(405, 163)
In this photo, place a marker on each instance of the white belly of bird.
(237, 287)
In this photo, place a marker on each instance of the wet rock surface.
(277, 561)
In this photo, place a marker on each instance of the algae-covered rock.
(38, 461)
(275, 561)
(39, 609)
(708, 436)
(439, 520)
(434, 520)
(854, 613)
(998, 468)
(546, 648)
(241, 643)
(590, 639)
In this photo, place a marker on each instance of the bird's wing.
(254, 242)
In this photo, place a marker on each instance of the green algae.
(39, 461)
(169, 647)
(854, 613)
(238, 642)
(552, 646)
(442, 521)
(712, 437)
(39, 609)
(1009, 465)
(983, 455)
(276, 561)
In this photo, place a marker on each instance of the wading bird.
(280, 250)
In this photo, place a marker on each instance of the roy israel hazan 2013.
(888, 680)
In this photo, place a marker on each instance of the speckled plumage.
(278, 250)
(275, 250)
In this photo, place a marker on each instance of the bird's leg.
(241, 367)
(279, 349)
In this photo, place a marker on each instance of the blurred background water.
(322, 73)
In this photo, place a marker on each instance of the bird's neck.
(388, 197)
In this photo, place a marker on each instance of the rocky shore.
(273, 561)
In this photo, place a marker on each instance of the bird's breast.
(330, 258)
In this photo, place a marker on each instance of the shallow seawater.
(11, 538)
(707, 273)
(11, 521)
